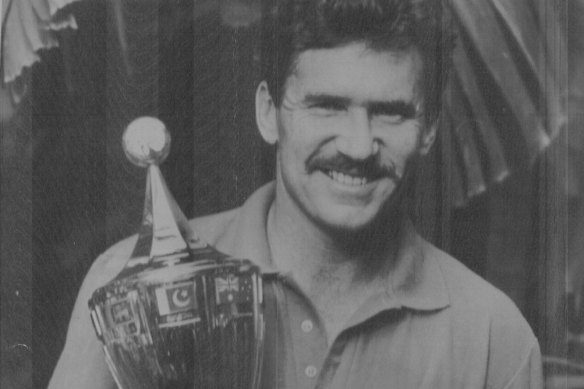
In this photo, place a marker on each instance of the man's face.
(347, 128)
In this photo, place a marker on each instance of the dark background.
(67, 192)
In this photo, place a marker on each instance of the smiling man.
(347, 128)
(354, 297)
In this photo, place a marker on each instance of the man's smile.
(349, 172)
(350, 186)
(347, 179)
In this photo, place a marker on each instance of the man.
(354, 297)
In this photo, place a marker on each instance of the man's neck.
(337, 272)
(304, 249)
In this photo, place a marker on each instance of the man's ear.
(266, 114)
(428, 138)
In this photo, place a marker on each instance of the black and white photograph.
(292, 194)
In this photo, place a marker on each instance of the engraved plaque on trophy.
(180, 314)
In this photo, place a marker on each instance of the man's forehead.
(356, 69)
(362, 48)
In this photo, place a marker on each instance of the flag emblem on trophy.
(226, 288)
(231, 288)
(176, 298)
(121, 312)
(122, 317)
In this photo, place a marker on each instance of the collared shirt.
(434, 325)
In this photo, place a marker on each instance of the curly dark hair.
(290, 27)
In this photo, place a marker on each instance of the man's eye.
(394, 114)
(391, 118)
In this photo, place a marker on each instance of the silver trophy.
(180, 314)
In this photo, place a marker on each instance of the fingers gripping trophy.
(180, 314)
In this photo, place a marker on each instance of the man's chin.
(361, 237)
(352, 223)
(344, 222)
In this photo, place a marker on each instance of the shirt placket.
(308, 340)
(330, 357)
(313, 364)
(331, 362)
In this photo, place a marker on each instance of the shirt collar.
(247, 235)
(415, 281)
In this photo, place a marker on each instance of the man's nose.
(356, 139)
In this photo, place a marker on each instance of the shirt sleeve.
(530, 373)
(82, 362)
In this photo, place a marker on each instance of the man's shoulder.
(213, 227)
(487, 322)
(470, 294)
(107, 265)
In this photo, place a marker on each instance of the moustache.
(371, 168)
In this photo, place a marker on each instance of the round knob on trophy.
(146, 141)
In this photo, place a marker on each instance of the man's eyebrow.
(407, 109)
(312, 98)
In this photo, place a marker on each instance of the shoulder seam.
(534, 346)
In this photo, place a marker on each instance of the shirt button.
(306, 326)
(310, 371)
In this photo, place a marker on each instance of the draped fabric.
(502, 108)
(504, 105)
(27, 27)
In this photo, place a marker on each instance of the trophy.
(180, 314)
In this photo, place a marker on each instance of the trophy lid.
(165, 230)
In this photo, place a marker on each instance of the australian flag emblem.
(231, 288)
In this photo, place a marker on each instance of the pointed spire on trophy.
(180, 314)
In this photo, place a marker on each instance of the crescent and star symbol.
(181, 298)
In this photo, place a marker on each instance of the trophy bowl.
(180, 314)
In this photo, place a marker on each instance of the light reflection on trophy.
(180, 314)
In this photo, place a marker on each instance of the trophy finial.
(146, 141)
(165, 230)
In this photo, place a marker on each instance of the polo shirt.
(434, 324)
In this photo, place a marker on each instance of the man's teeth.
(346, 179)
